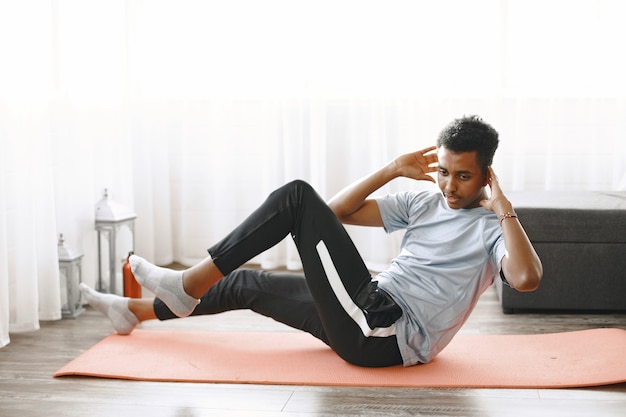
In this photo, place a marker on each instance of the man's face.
(461, 178)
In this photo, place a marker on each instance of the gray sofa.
(581, 240)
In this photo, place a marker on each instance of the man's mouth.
(451, 199)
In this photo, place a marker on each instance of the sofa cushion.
(575, 217)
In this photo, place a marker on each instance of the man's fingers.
(428, 178)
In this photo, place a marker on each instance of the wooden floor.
(28, 389)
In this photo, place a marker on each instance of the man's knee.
(300, 186)
(296, 192)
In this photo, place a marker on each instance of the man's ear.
(487, 177)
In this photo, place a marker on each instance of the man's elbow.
(528, 281)
(343, 218)
(337, 209)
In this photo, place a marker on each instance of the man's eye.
(443, 172)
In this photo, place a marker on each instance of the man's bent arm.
(521, 264)
(352, 205)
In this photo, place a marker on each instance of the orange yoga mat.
(572, 359)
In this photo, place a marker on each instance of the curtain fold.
(5, 315)
(191, 111)
(29, 226)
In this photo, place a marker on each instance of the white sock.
(114, 307)
(166, 284)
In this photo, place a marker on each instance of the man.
(456, 242)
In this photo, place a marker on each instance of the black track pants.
(336, 301)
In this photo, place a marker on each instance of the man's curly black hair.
(470, 133)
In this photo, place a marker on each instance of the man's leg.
(347, 299)
(284, 297)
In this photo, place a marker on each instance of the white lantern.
(115, 224)
(70, 276)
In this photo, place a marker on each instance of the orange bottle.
(132, 288)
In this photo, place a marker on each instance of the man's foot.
(165, 283)
(114, 307)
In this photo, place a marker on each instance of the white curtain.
(190, 112)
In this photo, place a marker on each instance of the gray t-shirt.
(448, 258)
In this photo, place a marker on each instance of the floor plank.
(28, 389)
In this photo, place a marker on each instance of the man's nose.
(450, 185)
